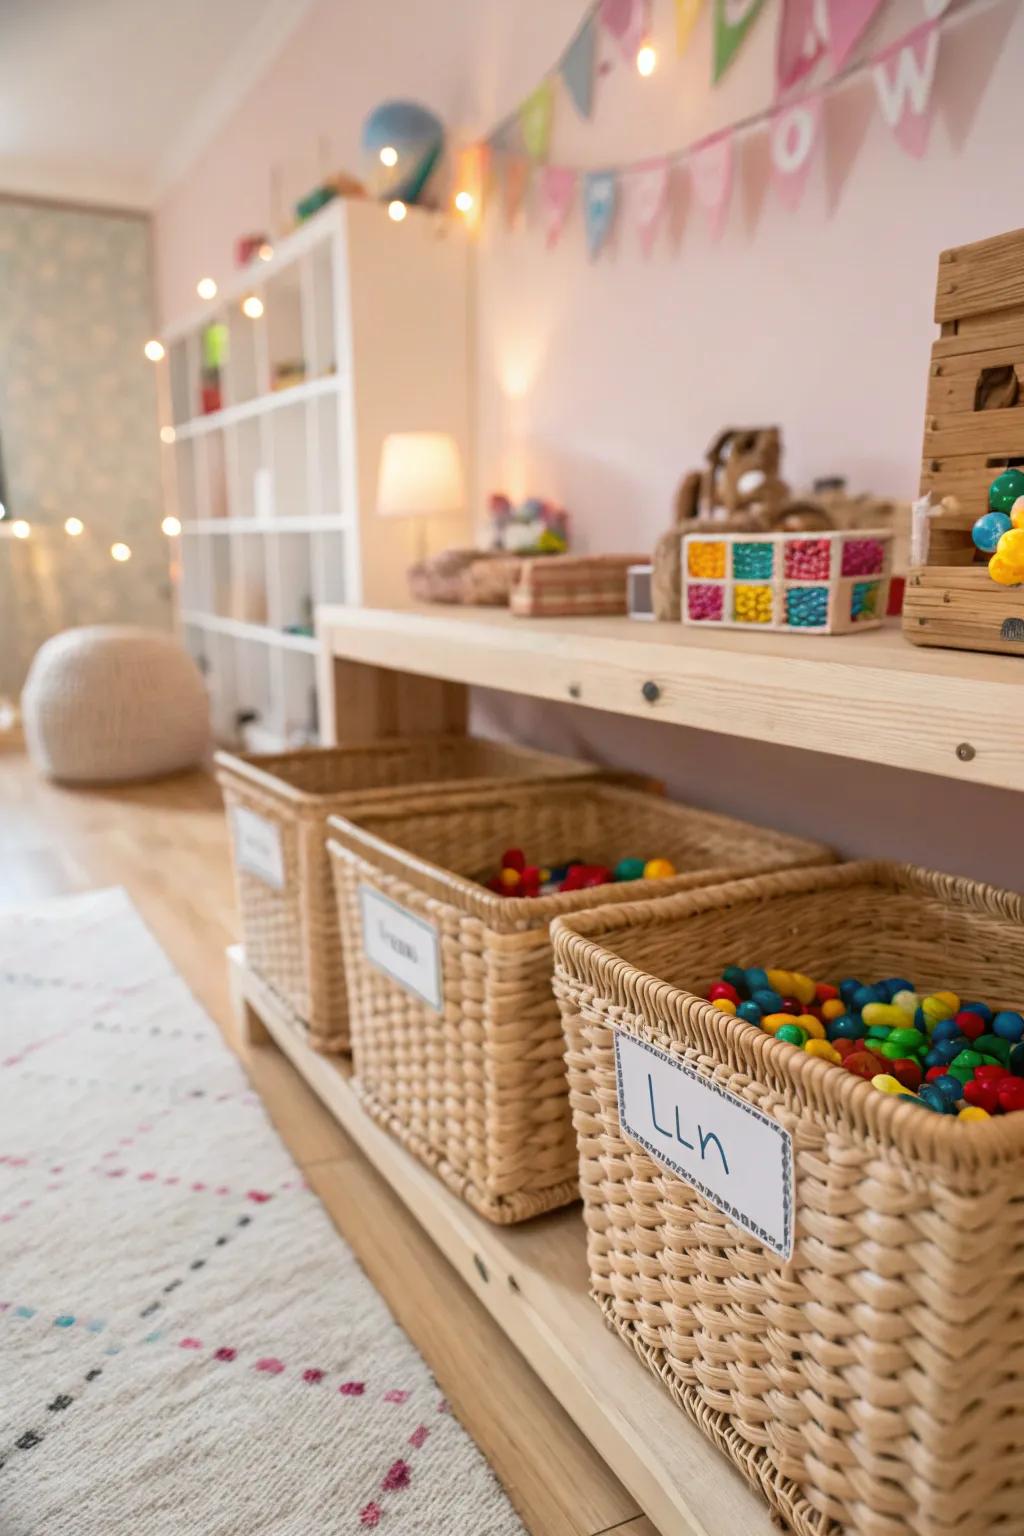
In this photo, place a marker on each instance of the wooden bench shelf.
(871, 697)
(533, 1281)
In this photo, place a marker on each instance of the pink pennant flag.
(848, 20)
(558, 183)
(799, 45)
(517, 174)
(647, 192)
(629, 22)
(903, 77)
(792, 137)
(711, 165)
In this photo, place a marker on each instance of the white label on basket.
(258, 847)
(737, 1157)
(402, 945)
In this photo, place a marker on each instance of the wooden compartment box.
(813, 583)
(974, 429)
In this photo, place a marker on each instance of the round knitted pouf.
(111, 703)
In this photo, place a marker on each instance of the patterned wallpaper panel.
(78, 420)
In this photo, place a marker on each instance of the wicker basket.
(278, 808)
(473, 1081)
(874, 1382)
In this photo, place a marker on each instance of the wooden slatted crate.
(974, 429)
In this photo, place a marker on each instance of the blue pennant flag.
(600, 190)
(578, 66)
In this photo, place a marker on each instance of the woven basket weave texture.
(291, 933)
(874, 1383)
(478, 1090)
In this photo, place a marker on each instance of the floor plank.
(166, 844)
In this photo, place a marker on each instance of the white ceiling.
(106, 101)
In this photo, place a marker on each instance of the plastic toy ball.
(1011, 549)
(1005, 574)
(989, 529)
(1005, 490)
(402, 143)
(1017, 513)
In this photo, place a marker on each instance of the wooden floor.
(167, 845)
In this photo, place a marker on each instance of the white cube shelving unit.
(276, 489)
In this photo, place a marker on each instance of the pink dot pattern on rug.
(312, 1375)
(352, 1388)
(225, 1353)
(270, 1364)
(396, 1395)
(370, 1514)
(191, 1344)
(397, 1476)
(418, 1437)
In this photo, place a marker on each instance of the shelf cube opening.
(248, 559)
(290, 460)
(286, 357)
(330, 577)
(291, 582)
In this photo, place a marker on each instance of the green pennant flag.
(733, 20)
(535, 119)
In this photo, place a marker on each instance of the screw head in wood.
(965, 752)
(481, 1267)
(575, 690)
(651, 692)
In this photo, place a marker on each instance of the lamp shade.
(420, 473)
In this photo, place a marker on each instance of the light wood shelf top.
(533, 1280)
(872, 697)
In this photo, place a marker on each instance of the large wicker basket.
(473, 1079)
(873, 1383)
(278, 807)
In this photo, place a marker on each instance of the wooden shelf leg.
(251, 1028)
(359, 703)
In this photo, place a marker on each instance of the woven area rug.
(187, 1348)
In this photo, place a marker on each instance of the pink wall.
(600, 383)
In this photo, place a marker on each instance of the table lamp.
(420, 475)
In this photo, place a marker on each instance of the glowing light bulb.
(167, 434)
(74, 526)
(206, 288)
(120, 552)
(266, 251)
(646, 59)
(464, 202)
(397, 210)
(252, 306)
(389, 155)
(171, 526)
(20, 528)
(154, 350)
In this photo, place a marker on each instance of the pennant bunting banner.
(599, 203)
(848, 20)
(733, 20)
(711, 165)
(800, 42)
(578, 67)
(903, 73)
(629, 22)
(647, 194)
(558, 184)
(903, 77)
(535, 120)
(687, 12)
(792, 138)
(517, 174)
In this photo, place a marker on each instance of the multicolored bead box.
(816, 583)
